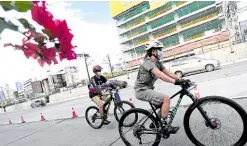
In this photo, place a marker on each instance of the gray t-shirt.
(145, 78)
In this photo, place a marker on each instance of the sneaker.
(171, 129)
(106, 122)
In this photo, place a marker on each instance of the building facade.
(33, 88)
(179, 25)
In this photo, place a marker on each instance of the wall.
(69, 94)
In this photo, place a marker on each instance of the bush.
(47, 99)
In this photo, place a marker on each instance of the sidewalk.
(235, 61)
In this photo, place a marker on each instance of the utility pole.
(109, 63)
(85, 59)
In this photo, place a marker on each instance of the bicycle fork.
(208, 122)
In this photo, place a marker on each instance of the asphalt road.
(76, 132)
(228, 81)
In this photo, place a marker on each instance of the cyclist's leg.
(100, 104)
(158, 99)
(155, 98)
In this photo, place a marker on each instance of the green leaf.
(7, 25)
(20, 6)
(23, 6)
(6, 5)
(26, 24)
(46, 31)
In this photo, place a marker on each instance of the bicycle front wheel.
(145, 130)
(93, 117)
(229, 122)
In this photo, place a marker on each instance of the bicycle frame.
(182, 92)
(107, 104)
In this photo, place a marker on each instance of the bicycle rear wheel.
(231, 115)
(122, 107)
(140, 128)
(93, 117)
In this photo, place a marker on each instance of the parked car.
(192, 64)
(38, 103)
(119, 83)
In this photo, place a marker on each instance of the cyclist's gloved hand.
(182, 82)
(179, 82)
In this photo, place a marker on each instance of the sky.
(94, 32)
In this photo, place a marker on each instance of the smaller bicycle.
(118, 106)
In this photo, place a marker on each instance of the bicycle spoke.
(140, 131)
(227, 130)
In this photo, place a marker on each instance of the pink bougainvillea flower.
(31, 46)
(69, 55)
(50, 54)
(66, 38)
(61, 29)
(7, 45)
(43, 61)
(43, 17)
(37, 2)
(30, 53)
(65, 47)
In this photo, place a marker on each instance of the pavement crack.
(35, 132)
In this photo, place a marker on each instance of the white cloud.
(96, 39)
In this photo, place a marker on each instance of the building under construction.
(182, 26)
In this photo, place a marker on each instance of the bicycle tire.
(87, 118)
(224, 100)
(145, 112)
(121, 103)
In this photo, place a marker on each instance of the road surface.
(76, 132)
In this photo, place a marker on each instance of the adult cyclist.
(98, 82)
(150, 70)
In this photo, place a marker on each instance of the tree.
(34, 43)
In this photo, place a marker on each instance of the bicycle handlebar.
(189, 85)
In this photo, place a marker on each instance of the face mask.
(99, 73)
(160, 54)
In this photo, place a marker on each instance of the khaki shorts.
(98, 100)
(152, 96)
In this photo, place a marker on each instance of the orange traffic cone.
(74, 115)
(42, 117)
(197, 95)
(22, 120)
(10, 121)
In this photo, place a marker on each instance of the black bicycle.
(222, 132)
(95, 121)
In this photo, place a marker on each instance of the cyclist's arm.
(108, 83)
(159, 74)
(170, 74)
(150, 66)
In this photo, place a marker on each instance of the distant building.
(243, 28)
(33, 88)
